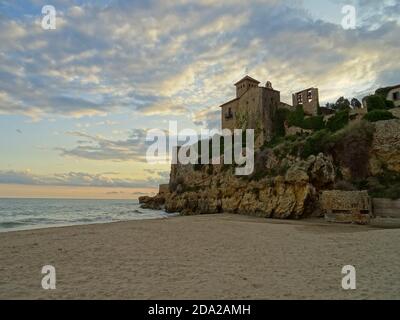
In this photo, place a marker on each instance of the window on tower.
(299, 98)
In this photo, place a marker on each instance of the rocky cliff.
(385, 150)
(282, 186)
(214, 189)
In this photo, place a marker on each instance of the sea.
(26, 214)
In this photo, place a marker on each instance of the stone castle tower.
(253, 108)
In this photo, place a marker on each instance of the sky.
(76, 102)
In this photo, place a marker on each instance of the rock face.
(282, 185)
(385, 150)
(395, 112)
(214, 189)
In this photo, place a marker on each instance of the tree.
(330, 105)
(342, 104)
(355, 103)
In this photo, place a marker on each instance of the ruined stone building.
(253, 108)
(309, 98)
(394, 95)
(346, 206)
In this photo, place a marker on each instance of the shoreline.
(201, 257)
(59, 226)
(314, 221)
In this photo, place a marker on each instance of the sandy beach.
(202, 257)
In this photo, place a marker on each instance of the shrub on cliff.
(297, 119)
(385, 185)
(279, 123)
(378, 115)
(338, 121)
(314, 123)
(315, 144)
(350, 147)
(375, 102)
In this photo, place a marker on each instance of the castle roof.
(228, 102)
(248, 79)
(395, 87)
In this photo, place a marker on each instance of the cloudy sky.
(76, 102)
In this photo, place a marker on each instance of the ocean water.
(25, 214)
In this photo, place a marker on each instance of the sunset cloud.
(159, 58)
(77, 179)
(87, 92)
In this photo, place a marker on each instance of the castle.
(255, 108)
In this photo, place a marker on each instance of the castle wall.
(249, 114)
(228, 120)
(310, 106)
(255, 109)
(271, 100)
(243, 86)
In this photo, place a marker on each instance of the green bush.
(375, 102)
(385, 185)
(389, 104)
(378, 115)
(338, 121)
(295, 118)
(279, 123)
(383, 92)
(313, 123)
(315, 144)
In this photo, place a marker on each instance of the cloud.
(99, 148)
(209, 118)
(179, 58)
(75, 179)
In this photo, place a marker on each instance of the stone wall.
(226, 121)
(346, 206)
(395, 112)
(386, 208)
(310, 107)
(256, 110)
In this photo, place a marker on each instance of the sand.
(202, 257)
